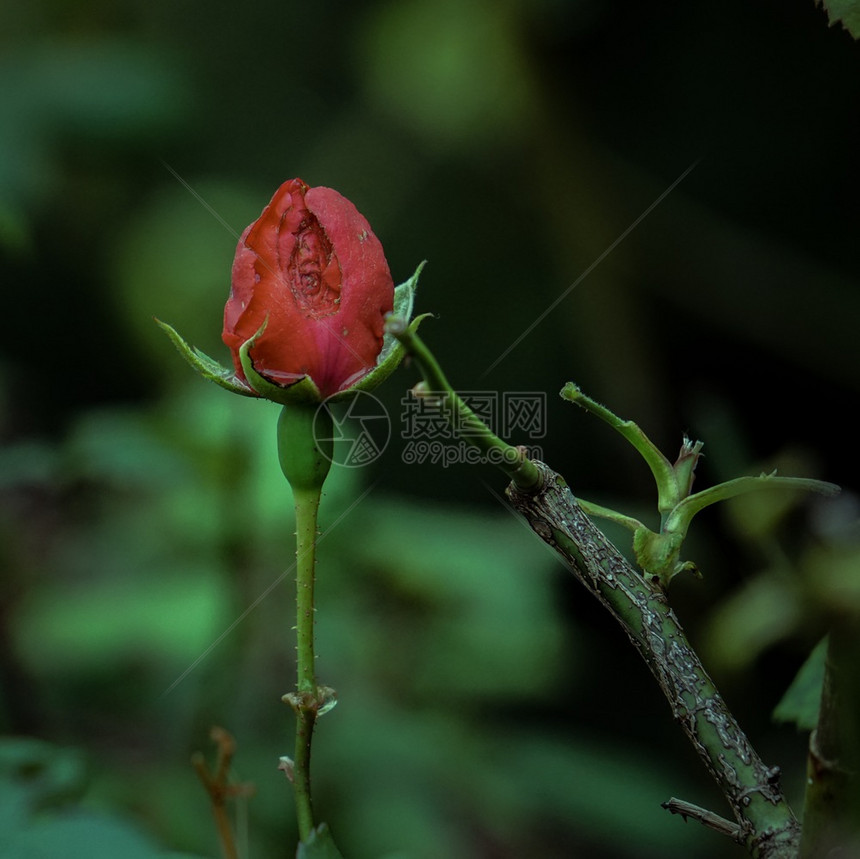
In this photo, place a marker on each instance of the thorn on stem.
(705, 817)
(288, 767)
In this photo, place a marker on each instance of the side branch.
(766, 823)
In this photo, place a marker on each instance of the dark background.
(489, 709)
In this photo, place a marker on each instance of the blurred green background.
(488, 707)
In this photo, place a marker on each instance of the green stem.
(304, 451)
(660, 467)
(765, 823)
(307, 506)
(511, 460)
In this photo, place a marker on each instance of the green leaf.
(319, 845)
(846, 13)
(803, 697)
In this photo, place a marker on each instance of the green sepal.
(207, 367)
(318, 845)
(392, 352)
(404, 295)
(685, 467)
(303, 390)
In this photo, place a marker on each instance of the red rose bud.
(310, 291)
